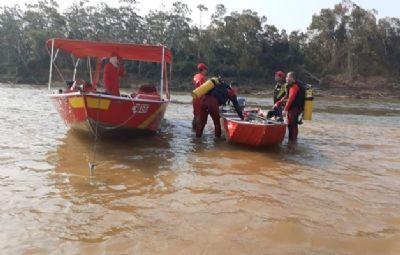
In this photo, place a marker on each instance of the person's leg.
(293, 132)
(202, 118)
(214, 112)
(196, 111)
(275, 112)
(293, 115)
(270, 114)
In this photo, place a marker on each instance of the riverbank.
(330, 86)
(340, 93)
(318, 92)
(335, 86)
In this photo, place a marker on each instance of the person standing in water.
(216, 97)
(198, 79)
(280, 86)
(293, 107)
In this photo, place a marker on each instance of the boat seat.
(146, 91)
(147, 96)
(147, 88)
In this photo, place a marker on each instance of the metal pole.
(162, 74)
(76, 65)
(55, 55)
(51, 63)
(166, 81)
(90, 70)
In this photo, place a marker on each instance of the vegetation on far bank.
(344, 45)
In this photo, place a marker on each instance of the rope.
(119, 125)
(124, 122)
(93, 165)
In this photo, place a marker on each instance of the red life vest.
(199, 79)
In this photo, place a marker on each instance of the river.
(336, 192)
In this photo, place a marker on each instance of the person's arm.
(280, 101)
(121, 69)
(292, 95)
(107, 75)
(232, 96)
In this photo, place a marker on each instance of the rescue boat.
(83, 106)
(258, 132)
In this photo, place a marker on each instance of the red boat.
(83, 106)
(261, 133)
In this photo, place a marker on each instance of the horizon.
(270, 9)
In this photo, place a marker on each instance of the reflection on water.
(336, 192)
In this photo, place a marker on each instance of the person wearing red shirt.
(112, 71)
(218, 96)
(198, 79)
(293, 107)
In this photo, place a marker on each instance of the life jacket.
(299, 100)
(279, 91)
(300, 96)
(199, 79)
(220, 92)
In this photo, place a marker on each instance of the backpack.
(301, 96)
(220, 92)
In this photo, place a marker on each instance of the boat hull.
(253, 134)
(100, 113)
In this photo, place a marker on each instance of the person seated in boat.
(80, 85)
(112, 71)
(279, 93)
(211, 102)
(293, 105)
(198, 79)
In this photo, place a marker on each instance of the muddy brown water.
(336, 192)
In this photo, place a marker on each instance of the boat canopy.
(127, 51)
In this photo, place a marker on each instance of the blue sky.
(285, 14)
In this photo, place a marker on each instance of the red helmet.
(202, 67)
(114, 54)
(280, 74)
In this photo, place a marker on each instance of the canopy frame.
(51, 63)
(135, 52)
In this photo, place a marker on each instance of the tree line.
(346, 39)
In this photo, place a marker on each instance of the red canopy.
(128, 51)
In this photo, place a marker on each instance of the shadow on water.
(305, 152)
(120, 163)
(119, 149)
(149, 165)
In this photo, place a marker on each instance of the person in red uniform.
(198, 79)
(293, 107)
(218, 96)
(112, 71)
